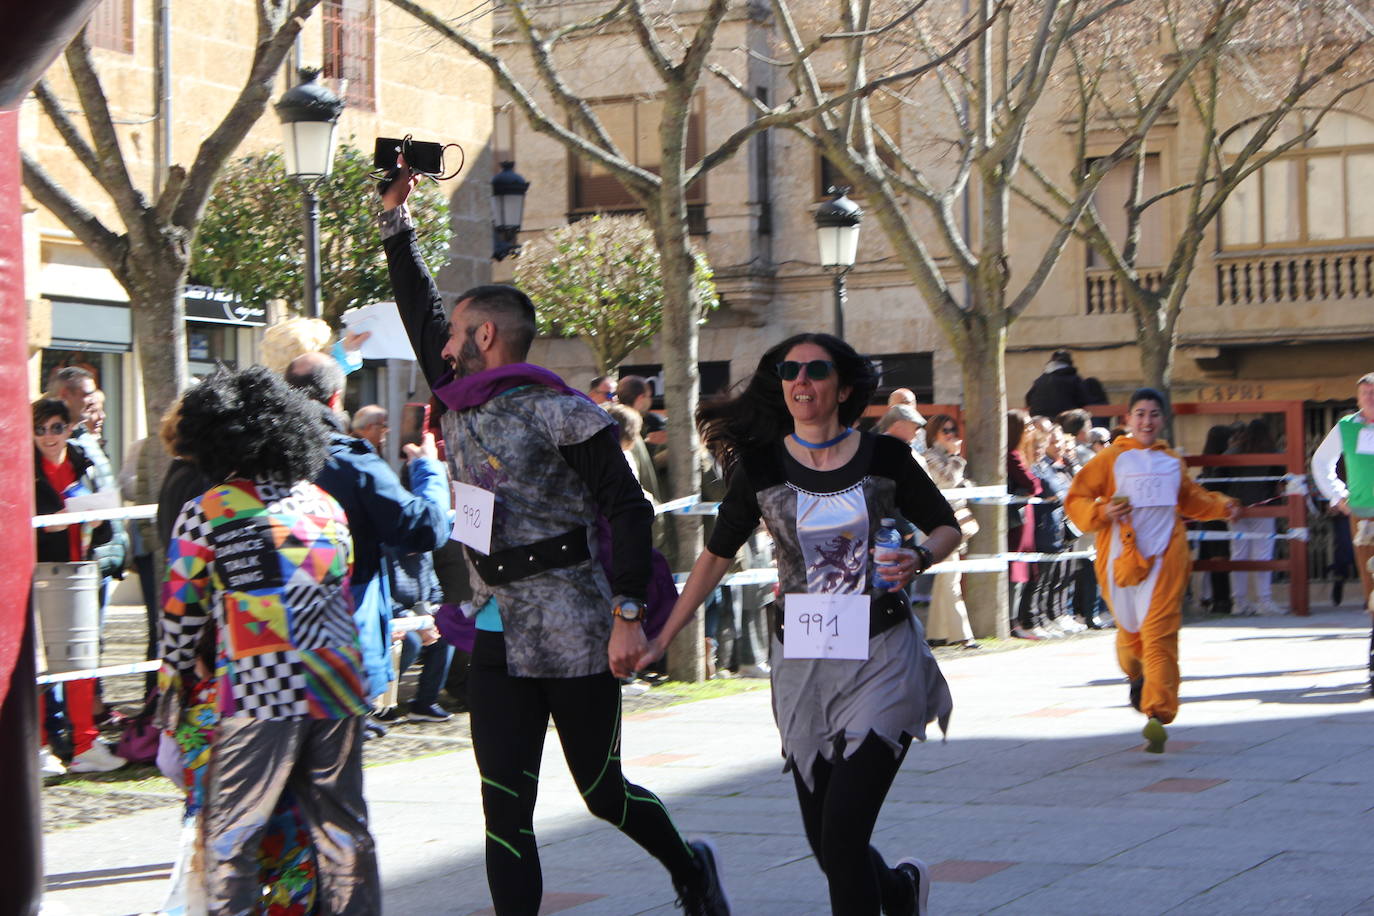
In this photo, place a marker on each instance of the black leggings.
(839, 814)
(510, 716)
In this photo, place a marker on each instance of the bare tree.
(150, 253)
(977, 111)
(677, 51)
(1292, 63)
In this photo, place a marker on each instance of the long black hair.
(250, 424)
(759, 416)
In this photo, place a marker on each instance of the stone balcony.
(1297, 276)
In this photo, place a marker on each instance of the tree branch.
(110, 169)
(112, 249)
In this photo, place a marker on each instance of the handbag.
(138, 742)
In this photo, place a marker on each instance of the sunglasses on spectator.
(816, 369)
(950, 430)
(52, 429)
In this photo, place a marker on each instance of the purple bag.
(138, 742)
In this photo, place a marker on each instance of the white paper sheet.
(389, 339)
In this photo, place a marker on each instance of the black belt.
(506, 566)
(885, 611)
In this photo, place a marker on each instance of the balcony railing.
(1296, 277)
(1105, 295)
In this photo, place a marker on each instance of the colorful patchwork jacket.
(270, 563)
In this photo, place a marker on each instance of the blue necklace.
(826, 444)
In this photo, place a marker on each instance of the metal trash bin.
(67, 599)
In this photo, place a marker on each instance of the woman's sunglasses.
(52, 429)
(950, 430)
(816, 369)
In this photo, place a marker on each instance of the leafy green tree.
(601, 279)
(250, 245)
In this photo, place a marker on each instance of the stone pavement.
(1041, 802)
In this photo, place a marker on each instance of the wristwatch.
(924, 558)
(631, 609)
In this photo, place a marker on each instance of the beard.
(470, 360)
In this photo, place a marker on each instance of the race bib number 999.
(826, 626)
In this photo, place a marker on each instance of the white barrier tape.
(108, 671)
(1292, 534)
(676, 505)
(94, 515)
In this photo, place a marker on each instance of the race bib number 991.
(826, 626)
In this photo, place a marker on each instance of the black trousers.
(839, 813)
(510, 716)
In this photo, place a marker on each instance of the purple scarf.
(476, 389)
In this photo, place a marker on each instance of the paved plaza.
(1041, 801)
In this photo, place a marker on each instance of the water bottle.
(886, 538)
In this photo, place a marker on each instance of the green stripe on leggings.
(496, 839)
(496, 785)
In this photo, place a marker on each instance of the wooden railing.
(1105, 296)
(1296, 277)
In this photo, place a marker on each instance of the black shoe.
(431, 713)
(915, 871)
(390, 715)
(1137, 688)
(703, 895)
(373, 729)
(1337, 592)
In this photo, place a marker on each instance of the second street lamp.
(507, 209)
(309, 116)
(837, 233)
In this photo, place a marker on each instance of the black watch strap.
(924, 558)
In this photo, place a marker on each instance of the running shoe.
(918, 873)
(761, 670)
(431, 713)
(704, 895)
(1268, 608)
(1155, 734)
(98, 758)
(49, 764)
(390, 715)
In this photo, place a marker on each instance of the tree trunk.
(159, 317)
(678, 349)
(985, 437)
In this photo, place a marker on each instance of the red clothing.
(62, 476)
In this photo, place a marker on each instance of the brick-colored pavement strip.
(86, 798)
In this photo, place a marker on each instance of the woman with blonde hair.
(948, 622)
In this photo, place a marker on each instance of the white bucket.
(67, 599)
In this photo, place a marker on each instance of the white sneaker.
(49, 764)
(760, 670)
(97, 759)
(1244, 610)
(1268, 608)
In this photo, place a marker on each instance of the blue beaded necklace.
(826, 444)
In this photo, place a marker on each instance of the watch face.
(630, 610)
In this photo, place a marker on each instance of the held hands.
(896, 565)
(629, 648)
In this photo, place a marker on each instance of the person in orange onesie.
(1134, 496)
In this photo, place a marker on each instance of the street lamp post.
(507, 209)
(837, 233)
(309, 116)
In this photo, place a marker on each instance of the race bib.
(1148, 478)
(1365, 444)
(473, 509)
(826, 626)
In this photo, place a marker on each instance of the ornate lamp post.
(507, 209)
(309, 116)
(837, 233)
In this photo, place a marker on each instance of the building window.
(1311, 195)
(112, 26)
(350, 51)
(885, 111)
(633, 126)
(1110, 199)
(905, 370)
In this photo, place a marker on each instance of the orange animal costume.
(1143, 560)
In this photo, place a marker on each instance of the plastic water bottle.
(886, 538)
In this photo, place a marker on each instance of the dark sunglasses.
(52, 429)
(816, 369)
(950, 430)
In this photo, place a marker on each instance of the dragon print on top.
(833, 532)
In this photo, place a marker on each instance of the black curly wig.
(758, 415)
(249, 424)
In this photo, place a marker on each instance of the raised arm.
(417, 297)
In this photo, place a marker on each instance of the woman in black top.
(822, 488)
